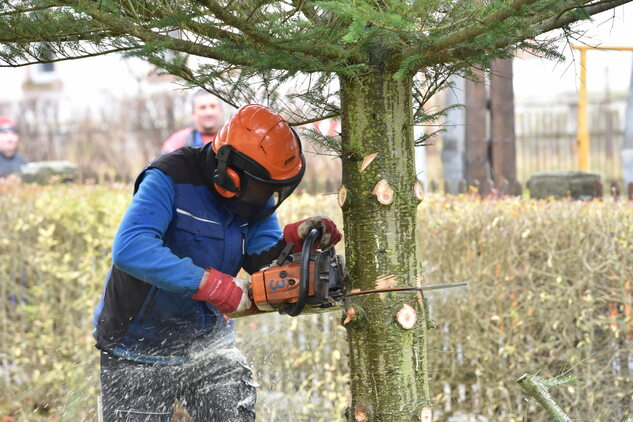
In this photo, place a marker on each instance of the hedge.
(549, 293)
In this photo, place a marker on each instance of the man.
(10, 160)
(208, 117)
(198, 215)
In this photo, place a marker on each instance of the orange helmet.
(257, 147)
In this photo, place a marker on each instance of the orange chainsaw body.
(278, 285)
(307, 282)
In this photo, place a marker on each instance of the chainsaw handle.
(304, 278)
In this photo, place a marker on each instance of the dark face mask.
(254, 202)
(247, 210)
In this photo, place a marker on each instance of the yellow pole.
(582, 134)
(583, 125)
(604, 47)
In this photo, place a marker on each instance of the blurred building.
(110, 114)
(83, 83)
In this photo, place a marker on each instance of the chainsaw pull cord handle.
(304, 278)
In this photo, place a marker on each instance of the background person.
(208, 118)
(198, 215)
(10, 160)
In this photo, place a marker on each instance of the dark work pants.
(217, 388)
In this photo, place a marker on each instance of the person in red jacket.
(10, 160)
(208, 118)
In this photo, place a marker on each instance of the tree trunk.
(627, 144)
(386, 332)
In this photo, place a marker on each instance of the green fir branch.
(264, 39)
(512, 8)
(329, 143)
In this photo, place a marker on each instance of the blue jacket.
(175, 226)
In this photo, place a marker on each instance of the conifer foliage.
(252, 46)
(372, 63)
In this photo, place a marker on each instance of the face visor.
(259, 195)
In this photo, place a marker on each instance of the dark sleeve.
(257, 261)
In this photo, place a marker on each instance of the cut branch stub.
(342, 196)
(350, 314)
(383, 192)
(360, 413)
(418, 191)
(407, 317)
(367, 161)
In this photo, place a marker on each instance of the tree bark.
(627, 143)
(538, 391)
(386, 332)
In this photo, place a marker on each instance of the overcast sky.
(534, 77)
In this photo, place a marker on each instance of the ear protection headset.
(226, 180)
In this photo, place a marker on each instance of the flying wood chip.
(407, 317)
(342, 195)
(367, 161)
(383, 192)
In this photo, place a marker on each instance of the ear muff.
(230, 185)
(225, 179)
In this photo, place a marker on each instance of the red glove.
(296, 232)
(225, 292)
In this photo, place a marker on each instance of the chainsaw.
(312, 279)
(308, 282)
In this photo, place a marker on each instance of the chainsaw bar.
(408, 289)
